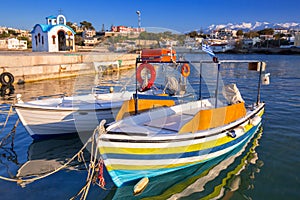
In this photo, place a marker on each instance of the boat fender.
(255, 120)
(231, 133)
(19, 98)
(6, 78)
(139, 78)
(185, 70)
(140, 186)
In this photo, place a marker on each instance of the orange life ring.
(139, 75)
(185, 70)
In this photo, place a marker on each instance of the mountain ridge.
(252, 26)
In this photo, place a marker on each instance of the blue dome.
(51, 17)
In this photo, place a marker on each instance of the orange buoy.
(139, 78)
(185, 70)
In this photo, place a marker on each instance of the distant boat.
(221, 48)
(173, 138)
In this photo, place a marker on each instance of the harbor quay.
(35, 66)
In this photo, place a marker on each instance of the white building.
(54, 36)
(297, 39)
(14, 43)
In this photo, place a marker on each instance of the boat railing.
(61, 95)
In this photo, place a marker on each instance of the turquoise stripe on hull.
(120, 177)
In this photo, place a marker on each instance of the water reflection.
(229, 176)
(48, 155)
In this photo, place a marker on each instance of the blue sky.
(178, 15)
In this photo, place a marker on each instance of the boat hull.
(128, 158)
(45, 123)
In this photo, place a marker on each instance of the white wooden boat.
(67, 115)
(70, 115)
(172, 138)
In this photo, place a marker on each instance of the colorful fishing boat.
(173, 138)
(196, 182)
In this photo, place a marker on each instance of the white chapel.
(54, 36)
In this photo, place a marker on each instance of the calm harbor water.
(267, 167)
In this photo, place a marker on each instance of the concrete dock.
(35, 66)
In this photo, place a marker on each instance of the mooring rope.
(13, 131)
(23, 181)
(93, 160)
(7, 117)
(92, 168)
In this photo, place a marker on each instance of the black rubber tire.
(6, 78)
(7, 90)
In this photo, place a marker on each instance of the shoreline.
(275, 51)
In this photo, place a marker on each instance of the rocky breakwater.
(34, 66)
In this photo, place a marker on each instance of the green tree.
(266, 31)
(240, 32)
(277, 36)
(86, 25)
(193, 34)
(251, 34)
(70, 24)
(4, 35)
(79, 40)
(29, 43)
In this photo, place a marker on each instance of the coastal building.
(297, 39)
(90, 41)
(3, 44)
(54, 36)
(14, 43)
(124, 30)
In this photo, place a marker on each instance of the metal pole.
(136, 89)
(216, 93)
(139, 26)
(259, 83)
(200, 86)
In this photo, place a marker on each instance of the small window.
(39, 36)
(42, 40)
(36, 41)
(53, 39)
(61, 20)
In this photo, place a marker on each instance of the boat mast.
(136, 88)
(259, 83)
(200, 86)
(217, 87)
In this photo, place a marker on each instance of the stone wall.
(34, 66)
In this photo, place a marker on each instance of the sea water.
(267, 167)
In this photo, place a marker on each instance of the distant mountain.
(252, 26)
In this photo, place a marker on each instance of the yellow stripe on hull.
(170, 150)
